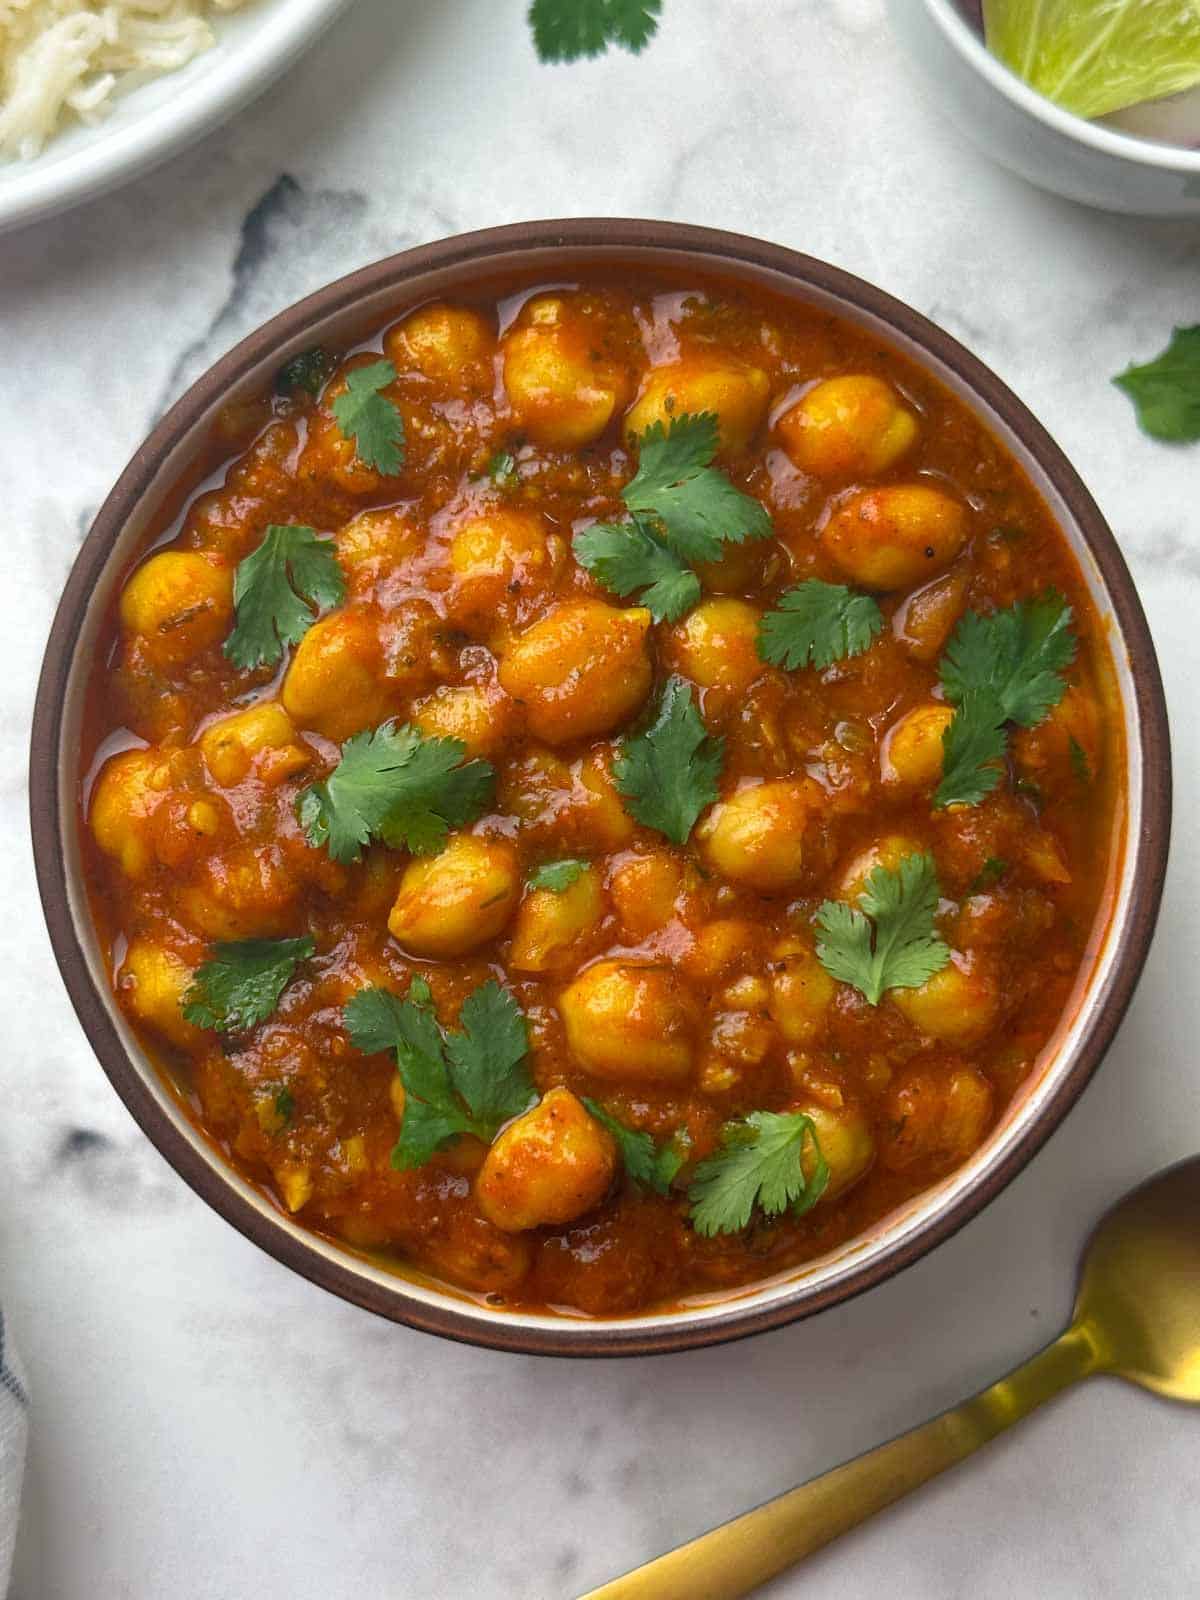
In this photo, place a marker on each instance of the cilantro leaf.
(653, 1166)
(502, 470)
(557, 875)
(454, 1082)
(371, 420)
(973, 748)
(1017, 654)
(992, 870)
(564, 30)
(240, 987)
(696, 505)
(669, 773)
(398, 785)
(1166, 391)
(760, 1163)
(278, 590)
(902, 950)
(627, 556)
(307, 371)
(818, 623)
(1080, 765)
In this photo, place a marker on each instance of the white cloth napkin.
(14, 1426)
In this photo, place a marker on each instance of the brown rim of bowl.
(497, 250)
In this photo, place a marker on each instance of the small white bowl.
(161, 117)
(1029, 134)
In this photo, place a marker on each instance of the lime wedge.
(1095, 56)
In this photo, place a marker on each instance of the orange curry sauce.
(718, 1006)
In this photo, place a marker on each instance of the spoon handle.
(737, 1557)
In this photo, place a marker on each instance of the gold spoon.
(1137, 1315)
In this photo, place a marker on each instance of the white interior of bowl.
(830, 1270)
(1111, 141)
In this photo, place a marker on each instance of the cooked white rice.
(64, 60)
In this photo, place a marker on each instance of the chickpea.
(552, 926)
(716, 645)
(230, 746)
(609, 825)
(548, 1167)
(580, 671)
(473, 1252)
(801, 991)
(180, 602)
(646, 891)
(495, 556)
(911, 754)
(562, 390)
(335, 683)
(720, 946)
(892, 538)
(736, 392)
(888, 852)
(958, 1005)
(756, 837)
(245, 892)
(937, 1117)
(450, 345)
(739, 567)
(454, 902)
(482, 718)
(373, 544)
(846, 1143)
(630, 1023)
(848, 427)
(153, 981)
(1045, 754)
(124, 800)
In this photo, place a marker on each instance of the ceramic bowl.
(335, 317)
(165, 114)
(1029, 134)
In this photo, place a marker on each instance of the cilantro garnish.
(683, 510)
(557, 875)
(1002, 668)
(564, 30)
(818, 623)
(398, 785)
(278, 590)
(240, 987)
(1166, 391)
(285, 1106)
(669, 773)
(902, 950)
(653, 1166)
(371, 420)
(760, 1163)
(468, 1081)
(1080, 765)
(992, 870)
(307, 371)
(502, 470)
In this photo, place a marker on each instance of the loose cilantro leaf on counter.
(240, 987)
(370, 419)
(1001, 668)
(502, 470)
(1166, 391)
(471, 1081)
(653, 1166)
(398, 785)
(557, 875)
(278, 590)
(626, 557)
(307, 371)
(683, 510)
(898, 948)
(760, 1163)
(817, 624)
(669, 772)
(565, 30)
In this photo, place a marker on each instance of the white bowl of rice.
(93, 92)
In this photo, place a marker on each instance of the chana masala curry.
(609, 794)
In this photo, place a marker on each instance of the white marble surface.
(208, 1426)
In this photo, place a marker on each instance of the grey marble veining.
(207, 1426)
